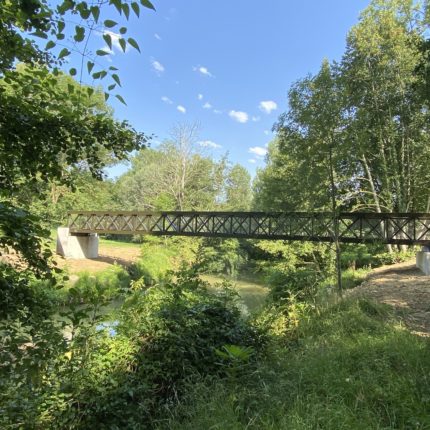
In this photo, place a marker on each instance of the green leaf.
(108, 39)
(96, 75)
(39, 33)
(126, 9)
(111, 87)
(79, 33)
(60, 26)
(95, 10)
(106, 96)
(121, 99)
(117, 4)
(63, 53)
(123, 30)
(72, 71)
(136, 8)
(90, 66)
(50, 45)
(147, 3)
(123, 44)
(70, 88)
(133, 43)
(101, 53)
(115, 77)
(90, 91)
(109, 23)
(113, 68)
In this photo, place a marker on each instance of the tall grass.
(350, 366)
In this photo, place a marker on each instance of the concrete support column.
(423, 260)
(77, 247)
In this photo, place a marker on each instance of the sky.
(227, 65)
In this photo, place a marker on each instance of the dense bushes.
(165, 337)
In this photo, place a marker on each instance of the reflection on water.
(252, 294)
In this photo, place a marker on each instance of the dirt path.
(404, 287)
(108, 256)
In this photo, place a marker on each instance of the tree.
(176, 176)
(24, 21)
(238, 189)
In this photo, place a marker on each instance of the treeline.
(359, 128)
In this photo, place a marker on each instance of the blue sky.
(227, 65)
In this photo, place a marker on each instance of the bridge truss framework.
(354, 227)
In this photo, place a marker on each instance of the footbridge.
(80, 238)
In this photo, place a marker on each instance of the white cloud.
(203, 70)
(251, 160)
(258, 150)
(200, 97)
(181, 109)
(207, 105)
(267, 106)
(255, 118)
(266, 132)
(166, 100)
(209, 144)
(238, 116)
(157, 66)
(217, 111)
(157, 36)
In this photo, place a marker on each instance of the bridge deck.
(358, 227)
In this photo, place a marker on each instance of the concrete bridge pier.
(423, 260)
(77, 246)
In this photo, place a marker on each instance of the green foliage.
(159, 257)
(222, 256)
(351, 367)
(165, 338)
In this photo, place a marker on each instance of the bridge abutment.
(423, 260)
(77, 246)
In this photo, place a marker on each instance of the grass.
(349, 366)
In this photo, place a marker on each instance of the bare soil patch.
(404, 287)
(108, 256)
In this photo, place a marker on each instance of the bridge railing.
(356, 227)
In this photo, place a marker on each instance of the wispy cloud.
(266, 132)
(200, 96)
(167, 100)
(268, 106)
(217, 111)
(157, 36)
(209, 144)
(255, 118)
(157, 66)
(181, 109)
(207, 105)
(203, 70)
(258, 150)
(251, 160)
(239, 116)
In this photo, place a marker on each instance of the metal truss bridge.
(354, 227)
